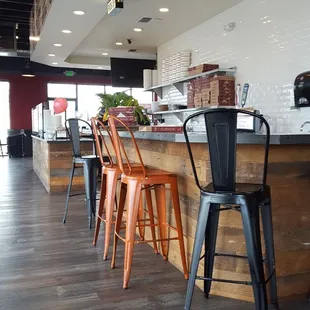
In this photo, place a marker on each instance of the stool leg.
(253, 245)
(141, 217)
(118, 221)
(111, 176)
(133, 198)
(210, 245)
(149, 204)
(178, 218)
(68, 193)
(269, 243)
(160, 194)
(94, 189)
(101, 207)
(88, 190)
(199, 237)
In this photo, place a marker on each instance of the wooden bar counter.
(289, 178)
(52, 161)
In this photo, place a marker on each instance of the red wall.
(25, 93)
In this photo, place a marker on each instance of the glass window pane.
(5, 110)
(70, 110)
(112, 90)
(88, 101)
(143, 97)
(61, 90)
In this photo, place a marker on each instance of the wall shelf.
(179, 83)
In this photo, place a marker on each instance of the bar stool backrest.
(72, 128)
(120, 148)
(101, 146)
(221, 130)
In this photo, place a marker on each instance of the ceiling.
(96, 32)
(14, 25)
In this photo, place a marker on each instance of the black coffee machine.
(302, 90)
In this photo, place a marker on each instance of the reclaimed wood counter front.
(289, 178)
(52, 161)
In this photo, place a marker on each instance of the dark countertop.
(243, 138)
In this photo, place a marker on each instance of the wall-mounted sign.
(115, 6)
(69, 73)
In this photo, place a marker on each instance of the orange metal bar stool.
(110, 175)
(137, 181)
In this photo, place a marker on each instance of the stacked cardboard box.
(125, 114)
(222, 91)
(201, 69)
(215, 91)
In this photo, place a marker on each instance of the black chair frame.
(89, 163)
(225, 194)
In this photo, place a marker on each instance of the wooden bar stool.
(110, 175)
(138, 181)
(223, 194)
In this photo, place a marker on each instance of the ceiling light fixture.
(137, 29)
(32, 38)
(164, 10)
(105, 54)
(119, 43)
(79, 13)
(57, 44)
(54, 63)
(66, 31)
(17, 37)
(28, 72)
(51, 55)
(100, 68)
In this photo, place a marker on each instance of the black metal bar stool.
(90, 164)
(225, 194)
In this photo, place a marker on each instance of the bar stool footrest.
(224, 280)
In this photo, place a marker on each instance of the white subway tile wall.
(270, 46)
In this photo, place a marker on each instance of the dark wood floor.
(48, 265)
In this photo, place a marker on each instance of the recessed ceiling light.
(119, 43)
(137, 29)
(57, 44)
(66, 31)
(164, 10)
(78, 12)
(32, 38)
(100, 68)
(105, 54)
(17, 37)
(54, 63)
(51, 55)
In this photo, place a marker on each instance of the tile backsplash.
(270, 46)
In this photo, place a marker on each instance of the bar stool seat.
(240, 189)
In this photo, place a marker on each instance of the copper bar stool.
(137, 181)
(110, 175)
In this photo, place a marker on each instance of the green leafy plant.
(122, 99)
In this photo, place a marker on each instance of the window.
(5, 110)
(67, 91)
(88, 101)
(143, 97)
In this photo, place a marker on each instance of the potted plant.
(121, 99)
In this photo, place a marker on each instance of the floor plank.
(48, 265)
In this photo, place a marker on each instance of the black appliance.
(302, 90)
(129, 72)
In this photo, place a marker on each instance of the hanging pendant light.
(28, 72)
